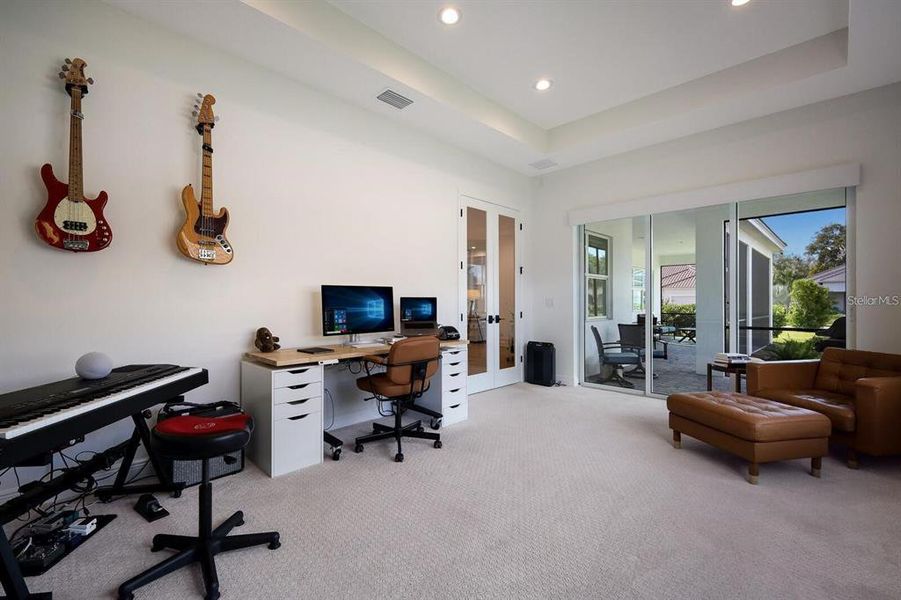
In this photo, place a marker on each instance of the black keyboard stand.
(11, 576)
(141, 434)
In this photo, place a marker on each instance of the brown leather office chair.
(410, 365)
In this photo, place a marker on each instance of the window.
(637, 290)
(597, 275)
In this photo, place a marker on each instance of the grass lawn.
(793, 335)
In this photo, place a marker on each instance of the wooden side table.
(735, 370)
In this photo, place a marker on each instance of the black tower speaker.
(541, 361)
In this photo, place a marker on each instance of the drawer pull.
(299, 386)
(456, 405)
(453, 374)
(455, 391)
(299, 371)
(454, 364)
(299, 417)
(296, 402)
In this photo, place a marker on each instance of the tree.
(789, 268)
(810, 306)
(827, 248)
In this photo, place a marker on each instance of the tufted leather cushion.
(749, 418)
(840, 369)
(838, 407)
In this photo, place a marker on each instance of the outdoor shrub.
(780, 315)
(810, 304)
(793, 349)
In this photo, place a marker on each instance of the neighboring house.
(677, 284)
(833, 280)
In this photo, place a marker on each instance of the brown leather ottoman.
(755, 429)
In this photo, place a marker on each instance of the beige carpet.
(543, 493)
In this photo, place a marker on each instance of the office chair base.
(384, 432)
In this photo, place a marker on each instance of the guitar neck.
(206, 191)
(76, 189)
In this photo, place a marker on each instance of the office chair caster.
(358, 448)
(420, 428)
(336, 454)
(437, 443)
(435, 424)
(399, 457)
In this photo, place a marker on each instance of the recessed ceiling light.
(739, 2)
(543, 85)
(449, 15)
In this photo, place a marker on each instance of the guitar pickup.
(75, 226)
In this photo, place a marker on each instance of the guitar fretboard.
(76, 188)
(206, 192)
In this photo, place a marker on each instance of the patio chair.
(614, 361)
(631, 337)
(835, 336)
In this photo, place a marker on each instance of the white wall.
(319, 192)
(864, 128)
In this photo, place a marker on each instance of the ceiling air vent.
(544, 163)
(394, 99)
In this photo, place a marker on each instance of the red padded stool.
(192, 437)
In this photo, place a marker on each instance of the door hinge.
(520, 226)
(520, 314)
(461, 213)
(461, 265)
(461, 317)
(520, 358)
(520, 270)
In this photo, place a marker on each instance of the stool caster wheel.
(336, 454)
(155, 548)
(176, 494)
(358, 448)
(435, 424)
(399, 457)
(126, 597)
(420, 428)
(437, 443)
(275, 545)
(213, 595)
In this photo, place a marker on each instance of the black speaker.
(189, 471)
(541, 363)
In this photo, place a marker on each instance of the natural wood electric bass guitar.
(70, 221)
(202, 237)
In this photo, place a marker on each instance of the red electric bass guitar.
(69, 221)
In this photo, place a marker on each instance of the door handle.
(490, 319)
(497, 318)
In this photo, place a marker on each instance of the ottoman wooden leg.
(753, 473)
(853, 463)
(677, 439)
(816, 464)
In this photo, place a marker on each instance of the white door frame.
(494, 375)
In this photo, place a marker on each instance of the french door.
(490, 277)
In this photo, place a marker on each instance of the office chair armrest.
(379, 360)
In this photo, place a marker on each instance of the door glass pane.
(506, 254)
(793, 278)
(689, 305)
(476, 288)
(613, 280)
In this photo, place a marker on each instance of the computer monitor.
(418, 309)
(418, 316)
(353, 309)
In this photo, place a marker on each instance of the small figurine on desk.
(266, 342)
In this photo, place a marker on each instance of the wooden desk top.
(288, 357)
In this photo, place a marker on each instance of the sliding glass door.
(663, 295)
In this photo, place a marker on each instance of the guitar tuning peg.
(91, 80)
(194, 113)
(215, 119)
(199, 95)
(68, 61)
(62, 75)
(65, 67)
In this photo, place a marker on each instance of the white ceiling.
(626, 74)
(598, 54)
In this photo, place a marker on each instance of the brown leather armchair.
(859, 391)
(410, 365)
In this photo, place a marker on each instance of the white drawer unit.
(447, 393)
(286, 405)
